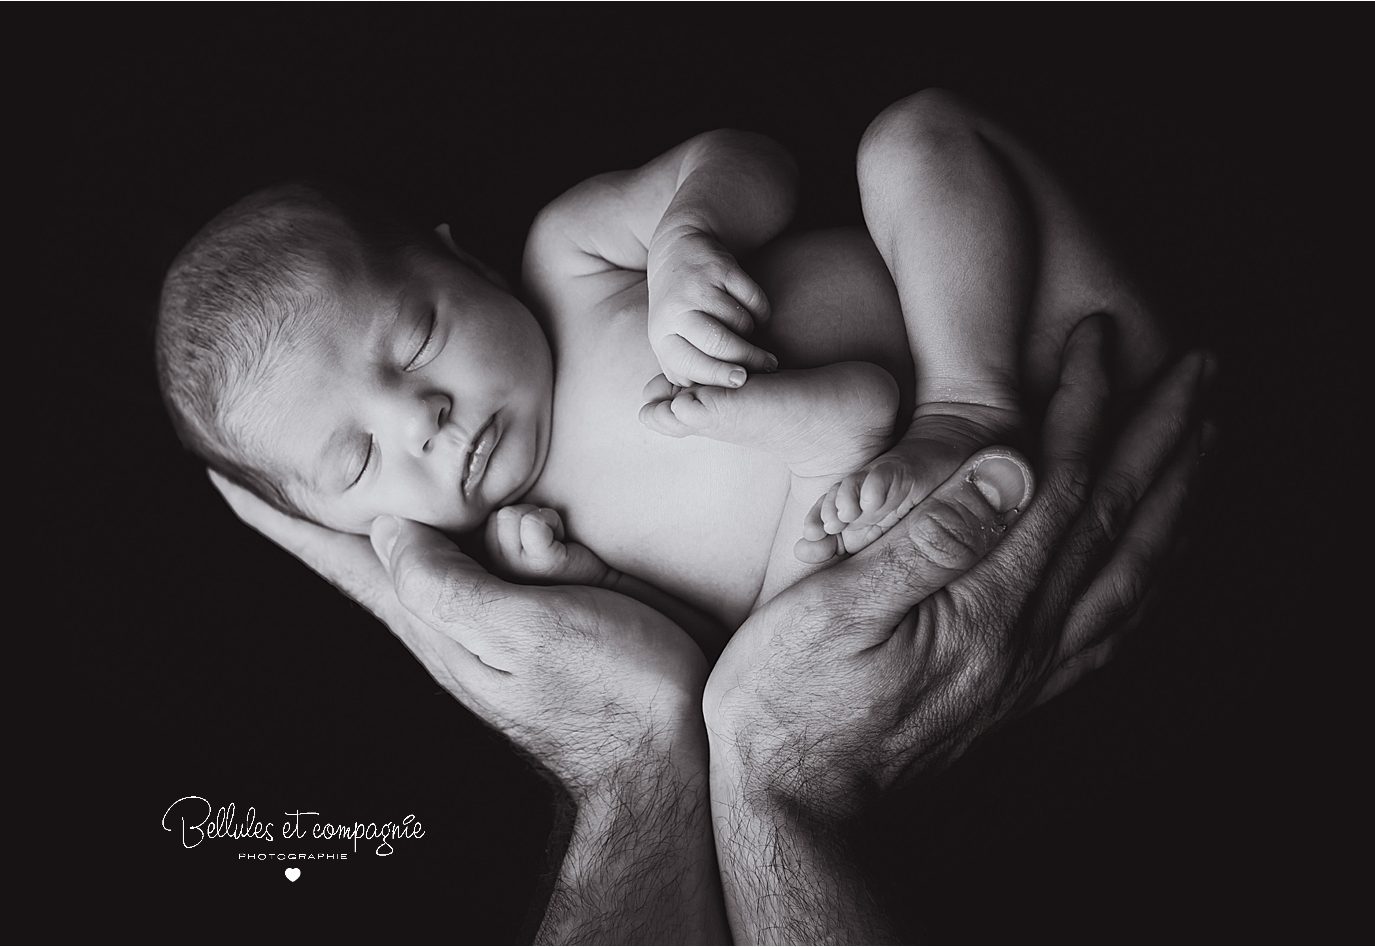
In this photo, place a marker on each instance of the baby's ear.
(492, 276)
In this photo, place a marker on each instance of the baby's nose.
(427, 418)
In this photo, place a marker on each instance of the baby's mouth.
(480, 451)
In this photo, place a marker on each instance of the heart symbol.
(292, 874)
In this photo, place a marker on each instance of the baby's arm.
(679, 220)
(527, 543)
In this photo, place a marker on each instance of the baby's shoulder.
(569, 263)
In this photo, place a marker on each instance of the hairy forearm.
(740, 187)
(640, 865)
(789, 878)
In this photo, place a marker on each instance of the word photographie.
(198, 821)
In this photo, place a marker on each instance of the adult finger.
(1152, 436)
(1071, 435)
(1136, 459)
(1120, 587)
(452, 594)
(938, 541)
(346, 561)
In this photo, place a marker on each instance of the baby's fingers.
(536, 533)
(710, 330)
(713, 357)
(747, 292)
(684, 364)
(503, 531)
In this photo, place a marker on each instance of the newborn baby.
(344, 366)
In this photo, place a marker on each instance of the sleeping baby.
(345, 365)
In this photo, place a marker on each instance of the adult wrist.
(670, 753)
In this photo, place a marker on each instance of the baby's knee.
(929, 121)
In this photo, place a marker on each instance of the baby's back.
(694, 516)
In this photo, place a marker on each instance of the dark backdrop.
(1187, 791)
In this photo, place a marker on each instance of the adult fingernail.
(737, 378)
(385, 529)
(1004, 482)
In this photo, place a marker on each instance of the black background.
(1187, 792)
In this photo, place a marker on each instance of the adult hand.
(897, 659)
(603, 691)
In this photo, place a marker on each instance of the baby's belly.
(692, 516)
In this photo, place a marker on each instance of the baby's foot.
(820, 421)
(527, 542)
(863, 506)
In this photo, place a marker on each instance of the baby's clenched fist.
(701, 305)
(526, 542)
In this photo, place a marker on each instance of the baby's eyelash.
(367, 459)
(416, 359)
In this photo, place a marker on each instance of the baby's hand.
(700, 304)
(527, 542)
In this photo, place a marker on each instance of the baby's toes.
(658, 416)
(830, 516)
(823, 549)
(887, 484)
(699, 407)
(847, 498)
(857, 537)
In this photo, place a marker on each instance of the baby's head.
(343, 366)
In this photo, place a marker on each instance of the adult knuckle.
(1110, 507)
(947, 536)
(1072, 483)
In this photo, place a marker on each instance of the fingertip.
(816, 551)
(383, 536)
(1004, 479)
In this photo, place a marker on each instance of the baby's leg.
(1071, 271)
(994, 266)
(822, 422)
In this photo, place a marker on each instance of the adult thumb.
(942, 538)
(438, 584)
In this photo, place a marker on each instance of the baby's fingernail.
(771, 364)
(1004, 482)
(385, 529)
(737, 378)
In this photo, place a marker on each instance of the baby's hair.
(235, 288)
